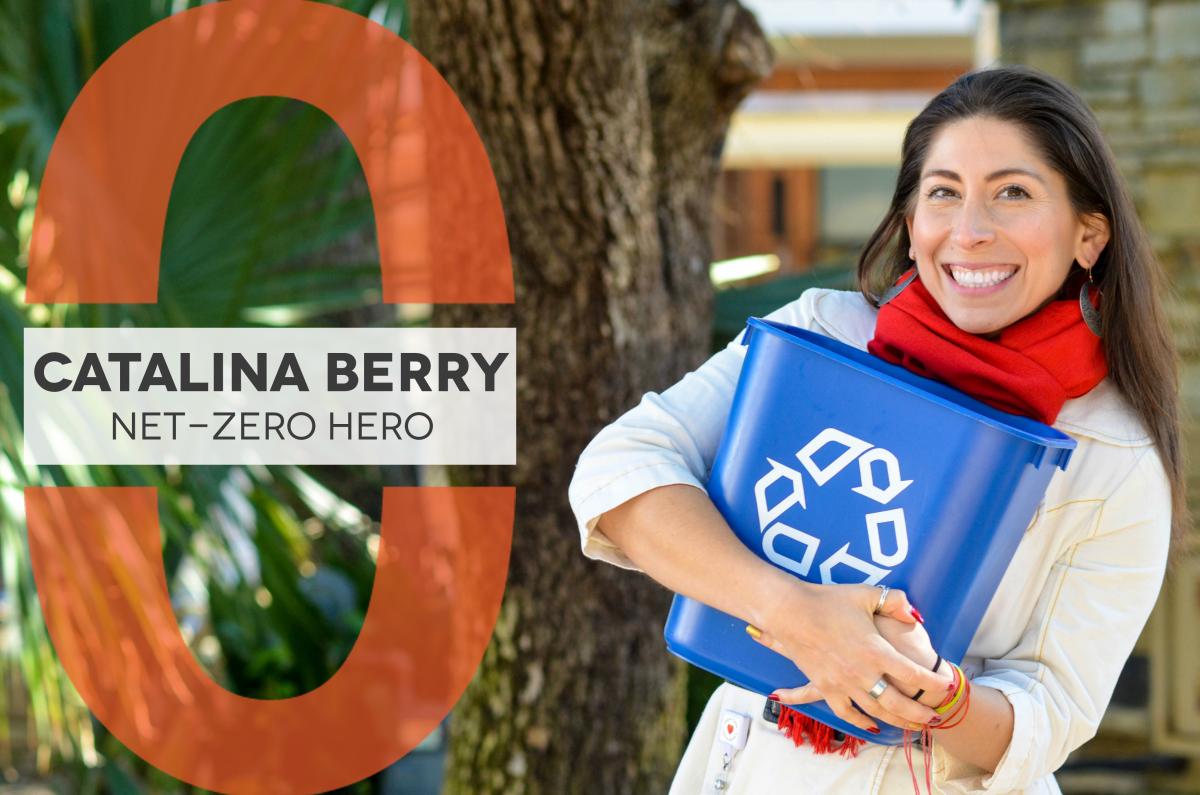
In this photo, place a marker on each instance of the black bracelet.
(936, 666)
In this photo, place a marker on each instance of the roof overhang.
(814, 128)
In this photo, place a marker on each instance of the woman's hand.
(829, 631)
(913, 642)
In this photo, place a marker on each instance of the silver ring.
(883, 592)
(877, 690)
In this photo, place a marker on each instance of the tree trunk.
(604, 121)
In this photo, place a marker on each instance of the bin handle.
(749, 331)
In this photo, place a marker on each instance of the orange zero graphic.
(96, 552)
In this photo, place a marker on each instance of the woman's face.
(993, 230)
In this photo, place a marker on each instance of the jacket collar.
(1102, 414)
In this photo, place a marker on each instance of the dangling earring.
(1091, 315)
(896, 289)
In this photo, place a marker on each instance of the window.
(853, 201)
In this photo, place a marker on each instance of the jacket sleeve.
(1060, 676)
(668, 438)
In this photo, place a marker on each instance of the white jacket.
(1063, 622)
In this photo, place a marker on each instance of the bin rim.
(1000, 420)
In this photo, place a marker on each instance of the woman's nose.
(973, 225)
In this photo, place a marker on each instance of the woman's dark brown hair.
(1141, 354)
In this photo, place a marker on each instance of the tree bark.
(604, 121)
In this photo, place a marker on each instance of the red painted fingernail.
(950, 687)
(917, 615)
(773, 697)
(873, 729)
(935, 720)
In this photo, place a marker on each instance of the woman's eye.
(1009, 191)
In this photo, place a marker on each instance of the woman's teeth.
(989, 278)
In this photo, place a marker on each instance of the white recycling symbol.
(894, 517)
(844, 558)
(867, 486)
(822, 475)
(766, 514)
(800, 567)
(887, 532)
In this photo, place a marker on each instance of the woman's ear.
(1093, 237)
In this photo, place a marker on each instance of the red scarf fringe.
(798, 726)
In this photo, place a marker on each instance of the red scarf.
(1030, 369)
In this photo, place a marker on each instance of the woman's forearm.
(985, 732)
(677, 536)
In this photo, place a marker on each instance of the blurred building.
(812, 154)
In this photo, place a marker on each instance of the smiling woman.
(1008, 219)
(993, 230)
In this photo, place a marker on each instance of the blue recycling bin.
(840, 467)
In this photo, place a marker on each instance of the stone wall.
(1137, 63)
